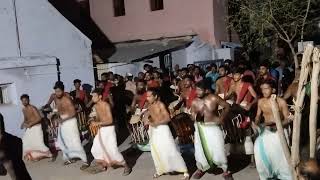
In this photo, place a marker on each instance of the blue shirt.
(213, 76)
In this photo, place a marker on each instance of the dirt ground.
(142, 164)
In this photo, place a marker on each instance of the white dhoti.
(164, 151)
(105, 149)
(269, 156)
(33, 144)
(69, 140)
(209, 146)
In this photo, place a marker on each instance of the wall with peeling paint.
(36, 28)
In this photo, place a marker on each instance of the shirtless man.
(243, 93)
(165, 154)
(269, 155)
(188, 93)
(104, 149)
(209, 139)
(34, 148)
(68, 133)
(140, 98)
(244, 98)
(223, 83)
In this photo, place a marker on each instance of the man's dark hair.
(213, 65)
(238, 70)
(59, 85)
(154, 92)
(24, 96)
(104, 74)
(270, 82)
(189, 77)
(76, 81)
(202, 85)
(185, 69)
(265, 63)
(98, 91)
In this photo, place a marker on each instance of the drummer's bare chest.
(61, 104)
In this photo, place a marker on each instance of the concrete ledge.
(30, 61)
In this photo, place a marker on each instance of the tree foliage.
(259, 21)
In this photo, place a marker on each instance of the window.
(118, 7)
(5, 97)
(156, 5)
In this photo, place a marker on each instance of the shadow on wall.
(80, 18)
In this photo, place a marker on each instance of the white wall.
(8, 33)
(179, 57)
(198, 51)
(42, 31)
(37, 84)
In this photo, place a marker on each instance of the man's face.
(141, 75)
(197, 71)
(147, 77)
(150, 97)
(222, 72)
(25, 101)
(200, 92)
(59, 93)
(104, 77)
(101, 85)
(96, 98)
(156, 75)
(266, 90)
(184, 73)
(77, 85)
(176, 67)
(213, 69)
(110, 77)
(263, 70)
(237, 77)
(187, 82)
(140, 86)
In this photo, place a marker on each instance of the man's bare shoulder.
(213, 97)
(280, 100)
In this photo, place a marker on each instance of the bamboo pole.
(280, 132)
(314, 101)
(305, 68)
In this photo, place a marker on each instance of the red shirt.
(107, 88)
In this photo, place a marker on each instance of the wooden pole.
(305, 68)
(280, 132)
(314, 101)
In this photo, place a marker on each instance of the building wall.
(178, 18)
(42, 31)
(34, 81)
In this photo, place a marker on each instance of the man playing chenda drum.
(269, 155)
(209, 139)
(104, 149)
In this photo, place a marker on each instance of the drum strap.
(226, 85)
(243, 92)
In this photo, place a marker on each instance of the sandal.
(198, 174)
(96, 169)
(84, 166)
(69, 162)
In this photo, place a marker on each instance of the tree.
(258, 21)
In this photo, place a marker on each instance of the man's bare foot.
(156, 176)
(84, 166)
(227, 176)
(186, 176)
(71, 161)
(127, 170)
(198, 174)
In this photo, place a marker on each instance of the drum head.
(135, 119)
